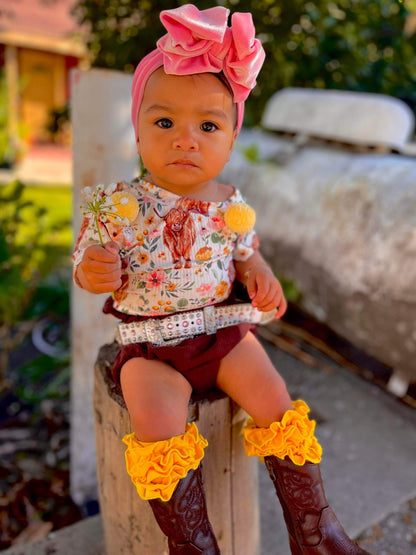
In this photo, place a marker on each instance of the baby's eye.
(164, 123)
(208, 127)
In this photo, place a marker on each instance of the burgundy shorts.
(197, 359)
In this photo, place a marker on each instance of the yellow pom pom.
(240, 217)
(125, 205)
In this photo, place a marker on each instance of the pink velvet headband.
(201, 42)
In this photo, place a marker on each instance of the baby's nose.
(185, 139)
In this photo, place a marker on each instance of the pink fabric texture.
(201, 42)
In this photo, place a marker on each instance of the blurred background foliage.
(360, 45)
(35, 242)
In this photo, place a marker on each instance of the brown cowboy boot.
(184, 520)
(312, 525)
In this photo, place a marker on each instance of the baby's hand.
(100, 269)
(265, 291)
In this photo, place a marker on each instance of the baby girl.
(169, 247)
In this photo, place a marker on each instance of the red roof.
(50, 18)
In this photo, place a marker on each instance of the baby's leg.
(157, 398)
(164, 454)
(282, 433)
(247, 375)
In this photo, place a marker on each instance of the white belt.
(174, 329)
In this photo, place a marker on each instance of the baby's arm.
(100, 269)
(263, 287)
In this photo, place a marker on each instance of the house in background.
(38, 47)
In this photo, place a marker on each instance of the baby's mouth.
(183, 163)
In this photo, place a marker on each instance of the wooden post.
(230, 476)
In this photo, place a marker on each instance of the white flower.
(109, 190)
(105, 205)
(98, 205)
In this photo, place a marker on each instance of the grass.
(57, 201)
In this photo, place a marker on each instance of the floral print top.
(177, 254)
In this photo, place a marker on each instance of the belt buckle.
(267, 317)
(154, 334)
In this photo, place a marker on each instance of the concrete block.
(103, 152)
(353, 117)
(341, 225)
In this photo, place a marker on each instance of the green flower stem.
(98, 229)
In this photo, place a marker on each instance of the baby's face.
(186, 130)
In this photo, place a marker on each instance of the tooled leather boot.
(184, 520)
(312, 525)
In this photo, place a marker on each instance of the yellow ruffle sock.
(155, 468)
(292, 437)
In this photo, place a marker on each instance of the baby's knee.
(154, 423)
(157, 399)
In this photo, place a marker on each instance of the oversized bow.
(201, 42)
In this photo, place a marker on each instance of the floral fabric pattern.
(177, 254)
